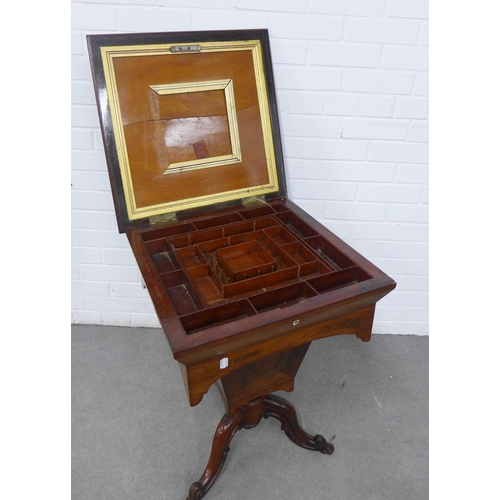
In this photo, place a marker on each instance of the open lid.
(188, 119)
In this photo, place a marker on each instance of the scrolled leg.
(279, 408)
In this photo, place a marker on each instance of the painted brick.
(364, 128)
(341, 104)
(377, 106)
(95, 288)
(132, 290)
(378, 82)
(303, 103)
(291, 147)
(99, 17)
(113, 305)
(391, 313)
(81, 255)
(312, 207)
(84, 116)
(88, 160)
(101, 220)
(323, 149)
(406, 58)
(323, 190)
(423, 35)
(183, 4)
(145, 320)
(116, 319)
(411, 107)
(363, 171)
(125, 2)
(77, 44)
(91, 272)
(152, 19)
(309, 126)
(89, 200)
(413, 173)
(355, 211)
(408, 9)
(405, 249)
(82, 93)
(306, 78)
(276, 5)
(416, 267)
(81, 139)
(421, 86)
(101, 239)
(123, 257)
(419, 131)
(342, 54)
(381, 31)
(351, 230)
(82, 180)
(370, 8)
(381, 231)
(87, 318)
(306, 27)
(80, 68)
(289, 51)
(412, 232)
(77, 219)
(102, 182)
(408, 213)
(402, 152)
(389, 193)
(214, 20)
(308, 169)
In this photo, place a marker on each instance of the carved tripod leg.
(227, 428)
(281, 409)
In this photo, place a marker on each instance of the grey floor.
(134, 436)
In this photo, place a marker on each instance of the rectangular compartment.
(245, 260)
(282, 297)
(241, 228)
(166, 232)
(182, 294)
(296, 225)
(220, 220)
(217, 316)
(329, 253)
(299, 253)
(190, 256)
(311, 269)
(328, 282)
(260, 211)
(280, 235)
(242, 238)
(207, 284)
(260, 283)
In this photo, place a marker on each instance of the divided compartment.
(216, 316)
(162, 255)
(329, 253)
(190, 256)
(305, 258)
(245, 260)
(296, 224)
(181, 292)
(332, 281)
(283, 297)
(220, 220)
(168, 231)
(280, 235)
(207, 284)
(253, 213)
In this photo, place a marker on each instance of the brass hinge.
(163, 218)
(253, 200)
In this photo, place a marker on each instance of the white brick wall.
(352, 85)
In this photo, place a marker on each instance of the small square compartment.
(280, 235)
(299, 253)
(190, 256)
(207, 284)
(245, 260)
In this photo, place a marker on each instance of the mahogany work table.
(242, 279)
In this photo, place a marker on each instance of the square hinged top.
(189, 120)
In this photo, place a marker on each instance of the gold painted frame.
(108, 53)
(227, 87)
